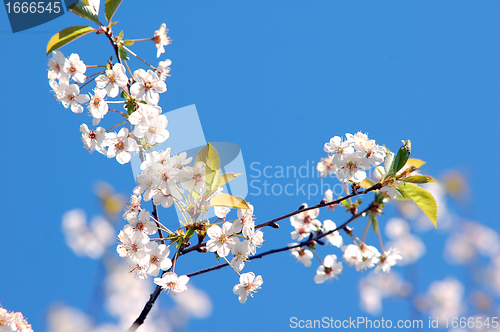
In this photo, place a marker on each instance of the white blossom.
(221, 239)
(301, 254)
(170, 281)
(147, 86)
(114, 79)
(248, 285)
(328, 270)
(161, 39)
(75, 68)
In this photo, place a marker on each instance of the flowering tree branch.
(170, 180)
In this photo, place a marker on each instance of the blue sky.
(279, 79)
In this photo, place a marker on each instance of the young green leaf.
(212, 178)
(400, 159)
(123, 53)
(82, 10)
(226, 177)
(110, 8)
(209, 156)
(415, 162)
(424, 200)
(227, 200)
(189, 233)
(66, 36)
(389, 159)
(418, 179)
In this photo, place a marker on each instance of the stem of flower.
(147, 64)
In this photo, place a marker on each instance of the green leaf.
(226, 177)
(389, 158)
(418, 179)
(66, 36)
(189, 233)
(123, 54)
(112, 24)
(227, 200)
(128, 42)
(110, 8)
(424, 200)
(212, 178)
(84, 11)
(346, 204)
(119, 37)
(415, 162)
(209, 156)
(401, 158)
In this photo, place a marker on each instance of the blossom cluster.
(167, 180)
(349, 158)
(11, 321)
(141, 91)
(358, 255)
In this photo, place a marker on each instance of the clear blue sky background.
(278, 78)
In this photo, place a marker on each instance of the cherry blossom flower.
(352, 254)
(387, 260)
(221, 212)
(98, 107)
(144, 223)
(221, 239)
(161, 39)
(142, 112)
(303, 255)
(338, 147)
(193, 178)
(326, 167)
(11, 321)
(147, 86)
(240, 254)
(120, 146)
(305, 223)
(334, 238)
(370, 257)
(352, 167)
(56, 65)
(152, 128)
(248, 285)
(245, 219)
(163, 69)
(133, 208)
(114, 79)
(330, 269)
(69, 95)
(253, 238)
(132, 244)
(93, 139)
(75, 68)
(156, 258)
(171, 281)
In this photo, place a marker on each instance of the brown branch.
(272, 222)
